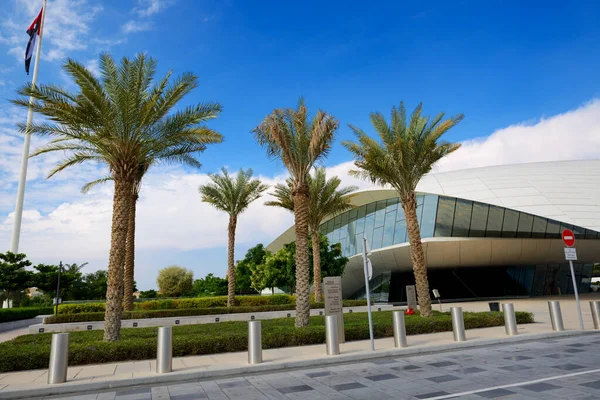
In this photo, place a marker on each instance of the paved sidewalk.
(99, 377)
(552, 369)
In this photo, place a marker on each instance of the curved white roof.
(567, 191)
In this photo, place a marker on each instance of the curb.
(179, 376)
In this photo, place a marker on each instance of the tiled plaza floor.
(562, 368)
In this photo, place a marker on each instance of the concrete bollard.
(458, 324)
(164, 352)
(556, 316)
(510, 320)
(595, 308)
(331, 335)
(59, 358)
(254, 342)
(399, 329)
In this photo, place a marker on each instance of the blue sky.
(501, 63)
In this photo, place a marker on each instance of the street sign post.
(368, 268)
(568, 238)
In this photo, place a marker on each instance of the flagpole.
(16, 234)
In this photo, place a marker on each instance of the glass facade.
(383, 223)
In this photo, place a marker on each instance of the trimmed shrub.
(17, 314)
(200, 303)
(32, 351)
(186, 312)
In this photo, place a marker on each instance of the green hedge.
(32, 351)
(17, 314)
(138, 314)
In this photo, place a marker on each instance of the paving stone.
(318, 374)
(442, 364)
(514, 368)
(430, 395)
(348, 386)
(443, 378)
(382, 377)
(295, 389)
(495, 393)
(539, 387)
(568, 367)
(407, 368)
(518, 358)
(593, 385)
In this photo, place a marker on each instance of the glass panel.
(351, 245)
(525, 224)
(369, 221)
(392, 204)
(428, 218)
(380, 213)
(362, 211)
(462, 218)
(351, 228)
(343, 244)
(479, 218)
(377, 238)
(539, 227)
(360, 225)
(494, 222)
(371, 208)
(564, 226)
(511, 220)
(590, 234)
(359, 243)
(336, 236)
(388, 229)
(445, 216)
(400, 232)
(553, 229)
(420, 198)
(578, 231)
(337, 221)
(344, 227)
(352, 214)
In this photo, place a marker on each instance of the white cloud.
(569, 136)
(146, 8)
(133, 26)
(93, 66)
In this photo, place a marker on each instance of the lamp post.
(58, 287)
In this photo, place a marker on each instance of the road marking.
(450, 396)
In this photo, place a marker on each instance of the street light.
(58, 287)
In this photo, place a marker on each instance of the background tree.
(121, 120)
(174, 281)
(407, 150)
(299, 143)
(148, 294)
(46, 279)
(210, 286)
(232, 195)
(96, 284)
(13, 275)
(326, 198)
(243, 273)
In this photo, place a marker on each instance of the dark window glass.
(362, 211)
(428, 218)
(511, 221)
(380, 214)
(539, 227)
(400, 232)
(344, 226)
(392, 204)
(479, 220)
(371, 207)
(388, 229)
(552, 229)
(462, 218)
(525, 224)
(377, 238)
(352, 214)
(564, 226)
(578, 231)
(494, 222)
(337, 222)
(590, 234)
(445, 216)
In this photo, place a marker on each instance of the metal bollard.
(458, 324)
(59, 358)
(510, 321)
(164, 353)
(331, 335)
(399, 329)
(556, 316)
(254, 342)
(595, 307)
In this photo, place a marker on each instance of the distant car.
(595, 287)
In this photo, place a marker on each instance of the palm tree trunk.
(316, 248)
(409, 204)
(116, 261)
(230, 261)
(302, 263)
(130, 256)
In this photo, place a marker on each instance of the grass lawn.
(32, 351)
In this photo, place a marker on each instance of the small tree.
(96, 284)
(210, 286)
(243, 273)
(13, 275)
(174, 281)
(148, 294)
(46, 278)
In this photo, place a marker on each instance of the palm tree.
(232, 195)
(121, 119)
(325, 199)
(130, 243)
(290, 136)
(407, 151)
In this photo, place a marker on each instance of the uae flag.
(33, 32)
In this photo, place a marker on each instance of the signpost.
(411, 297)
(568, 238)
(332, 286)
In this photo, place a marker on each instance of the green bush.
(153, 313)
(87, 347)
(17, 314)
(200, 303)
